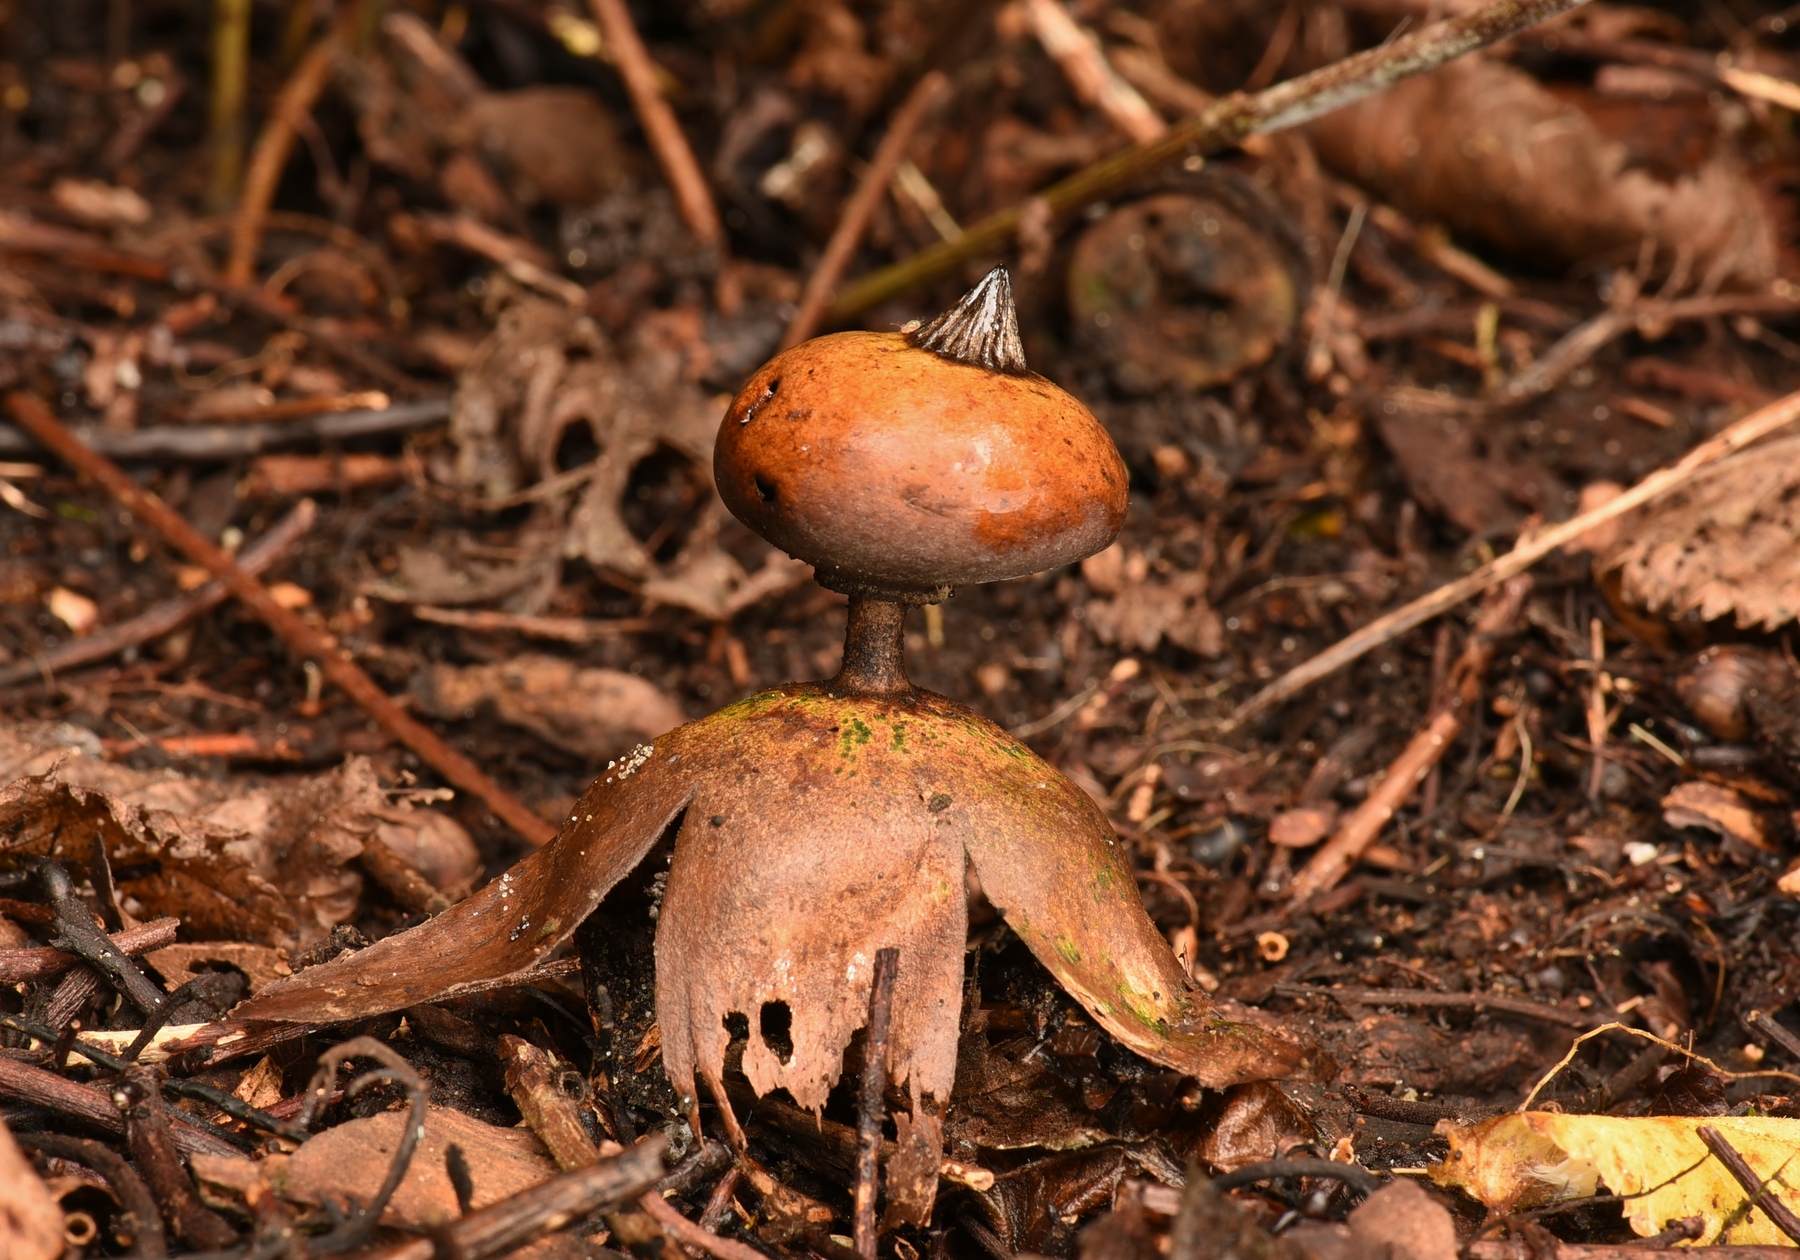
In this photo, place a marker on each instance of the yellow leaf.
(1658, 1164)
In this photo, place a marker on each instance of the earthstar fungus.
(819, 823)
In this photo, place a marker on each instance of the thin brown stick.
(688, 1234)
(1527, 552)
(1476, 1002)
(692, 197)
(1585, 340)
(1227, 123)
(92, 1106)
(821, 286)
(551, 1113)
(1357, 832)
(142, 1223)
(1756, 1190)
(19, 965)
(869, 1109)
(306, 640)
(166, 616)
(1084, 65)
(149, 1135)
(299, 408)
(219, 442)
(561, 629)
(276, 142)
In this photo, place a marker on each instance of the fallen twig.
(77, 933)
(1476, 1002)
(20, 965)
(150, 1137)
(1582, 342)
(1360, 830)
(305, 639)
(1531, 1249)
(1095, 82)
(692, 197)
(519, 259)
(276, 142)
(551, 1113)
(141, 1223)
(208, 442)
(546, 1207)
(1226, 124)
(92, 1106)
(1756, 1190)
(561, 629)
(1527, 552)
(165, 617)
(688, 1234)
(355, 1232)
(821, 286)
(869, 1110)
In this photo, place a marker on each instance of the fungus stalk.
(874, 649)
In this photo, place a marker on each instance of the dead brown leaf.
(1252, 1123)
(1727, 542)
(1719, 810)
(1144, 610)
(243, 859)
(548, 378)
(1487, 149)
(347, 1161)
(593, 713)
(31, 1224)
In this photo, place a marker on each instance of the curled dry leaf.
(265, 861)
(559, 144)
(1142, 610)
(261, 964)
(593, 713)
(1488, 150)
(1456, 470)
(549, 380)
(423, 111)
(1658, 1163)
(1253, 1122)
(1726, 543)
(1719, 810)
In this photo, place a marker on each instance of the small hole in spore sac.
(777, 1027)
(765, 489)
(737, 1026)
(760, 401)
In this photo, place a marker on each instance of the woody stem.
(874, 648)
